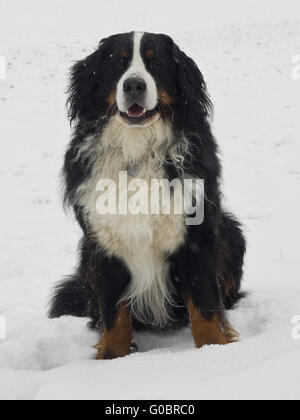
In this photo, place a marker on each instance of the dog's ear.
(84, 86)
(193, 105)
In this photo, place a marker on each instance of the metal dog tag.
(134, 170)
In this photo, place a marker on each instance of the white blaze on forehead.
(137, 69)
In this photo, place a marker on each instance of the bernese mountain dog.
(139, 105)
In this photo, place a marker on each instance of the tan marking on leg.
(116, 342)
(209, 332)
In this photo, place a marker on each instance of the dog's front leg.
(112, 279)
(116, 341)
(195, 270)
(209, 330)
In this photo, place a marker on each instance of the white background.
(245, 50)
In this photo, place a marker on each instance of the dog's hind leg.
(74, 296)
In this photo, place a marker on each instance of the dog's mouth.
(138, 115)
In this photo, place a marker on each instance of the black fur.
(209, 266)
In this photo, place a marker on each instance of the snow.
(246, 51)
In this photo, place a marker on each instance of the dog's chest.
(142, 241)
(135, 152)
(128, 235)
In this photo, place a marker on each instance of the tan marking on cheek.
(124, 54)
(207, 332)
(149, 53)
(116, 342)
(111, 99)
(165, 97)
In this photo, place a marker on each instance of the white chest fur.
(143, 242)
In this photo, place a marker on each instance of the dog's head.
(139, 78)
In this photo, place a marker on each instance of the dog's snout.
(134, 87)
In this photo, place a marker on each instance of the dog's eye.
(156, 64)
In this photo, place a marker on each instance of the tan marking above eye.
(124, 54)
(149, 53)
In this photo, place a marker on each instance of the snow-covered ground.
(245, 49)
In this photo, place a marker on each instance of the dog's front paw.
(106, 352)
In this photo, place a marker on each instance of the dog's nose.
(134, 87)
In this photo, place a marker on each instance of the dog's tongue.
(136, 111)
